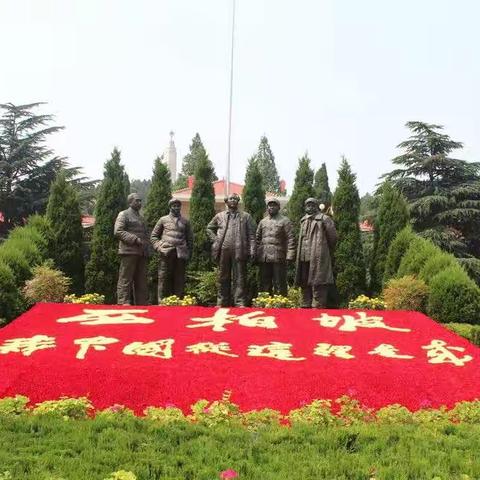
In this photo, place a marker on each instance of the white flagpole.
(227, 186)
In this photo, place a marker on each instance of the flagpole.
(227, 186)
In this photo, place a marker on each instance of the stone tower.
(170, 158)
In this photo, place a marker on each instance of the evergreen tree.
(142, 187)
(156, 206)
(392, 216)
(443, 193)
(102, 268)
(66, 234)
(349, 261)
(190, 161)
(253, 192)
(321, 189)
(266, 164)
(302, 189)
(202, 210)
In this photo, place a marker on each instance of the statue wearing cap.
(316, 244)
(172, 238)
(275, 246)
(232, 233)
(131, 231)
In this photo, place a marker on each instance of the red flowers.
(226, 474)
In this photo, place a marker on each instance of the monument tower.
(170, 158)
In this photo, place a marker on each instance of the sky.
(327, 77)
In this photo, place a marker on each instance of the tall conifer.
(321, 188)
(266, 164)
(253, 192)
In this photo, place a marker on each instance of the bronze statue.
(275, 247)
(233, 235)
(131, 231)
(316, 244)
(172, 238)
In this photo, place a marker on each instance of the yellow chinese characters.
(159, 349)
(26, 346)
(350, 323)
(221, 318)
(97, 343)
(277, 350)
(389, 351)
(222, 348)
(439, 352)
(107, 317)
(329, 350)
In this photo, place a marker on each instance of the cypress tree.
(156, 206)
(66, 240)
(392, 216)
(253, 192)
(102, 268)
(349, 261)
(202, 210)
(302, 189)
(266, 164)
(321, 189)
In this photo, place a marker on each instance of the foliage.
(121, 475)
(295, 296)
(302, 189)
(11, 301)
(396, 251)
(47, 285)
(391, 217)
(254, 192)
(33, 238)
(318, 413)
(203, 285)
(265, 300)
(102, 267)
(202, 210)
(87, 298)
(66, 241)
(472, 267)
(65, 408)
(367, 303)
(142, 187)
(16, 405)
(349, 261)
(255, 419)
(321, 188)
(454, 297)
(438, 262)
(465, 330)
(394, 414)
(166, 415)
(406, 293)
(419, 251)
(443, 192)
(173, 300)
(218, 412)
(352, 412)
(265, 161)
(368, 207)
(115, 412)
(13, 256)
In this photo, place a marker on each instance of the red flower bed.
(279, 359)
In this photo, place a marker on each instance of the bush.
(364, 302)
(47, 285)
(397, 249)
(318, 413)
(417, 254)
(33, 233)
(88, 298)
(438, 262)
(406, 293)
(173, 300)
(13, 405)
(265, 300)
(203, 285)
(17, 262)
(454, 297)
(295, 296)
(465, 330)
(165, 415)
(66, 408)
(11, 301)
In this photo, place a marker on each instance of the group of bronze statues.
(236, 242)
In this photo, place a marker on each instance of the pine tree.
(266, 164)
(66, 240)
(302, 189)
(391, 217)
(349, 261)
(202, 210)
(156, 206)
(443, 193)
(321, 189)
(102, 268)
(253, 192)
(190, 161)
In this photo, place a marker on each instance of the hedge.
(396, 251)
(465, 330)
(417, 254)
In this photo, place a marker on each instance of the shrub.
(438, 262)
(203, 285)
(454, 297)
(419, 251)
(11, 301)
(318, 413)
(13, 405)
(406, 293)
(25, 246)
(88, 298)
(397, 249)
(218, 412)
(265, 300)
(173, 300)
(295, 296)
(17, 262)
(165, 415)
(352, 411)
(364, 302)
(115, 412)
(394, 415)
(255, 419)
(66, 408)
(467, 412)
(47, 285)
(465, 330)
(33, 233)
(122, 475)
